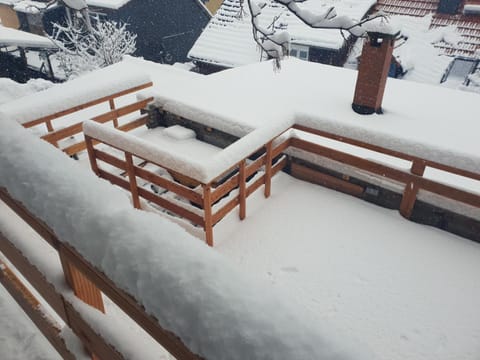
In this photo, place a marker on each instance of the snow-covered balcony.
(340, 263)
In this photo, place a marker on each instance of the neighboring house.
(228, 41)
(451, 27)
(14, 45)
(166, 29)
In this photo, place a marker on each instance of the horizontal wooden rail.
(385, 151)
(85, 105)
(93, 342)
(31, 306)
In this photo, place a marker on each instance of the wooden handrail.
(125, 301)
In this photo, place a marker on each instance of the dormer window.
(299, 51)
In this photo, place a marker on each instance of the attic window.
(460, 69)
(299, 51)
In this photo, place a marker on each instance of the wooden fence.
(87, 283)
(413, 180)
(61, 132)
(199, 205)
(202, 200)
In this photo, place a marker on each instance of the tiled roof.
(468, 26)
(228, 39)
(408, 7)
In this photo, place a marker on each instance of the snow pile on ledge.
(92, 86)
(192, 290)
(14, 37)
(418, 119)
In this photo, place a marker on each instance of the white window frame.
(300, 48)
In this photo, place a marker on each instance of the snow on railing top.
(192, 290)
(420, 120)
(98, 84)
(203, 172)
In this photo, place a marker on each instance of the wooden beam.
(242, 190)
(32, 308)
(207, 210)
(91, 154)
(111, 102)
(268, 170)
(133, 180)
(316, 177)
(124, 110)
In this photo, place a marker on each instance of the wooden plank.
(133, 180)
(418, 167)
(63, 133)
(170, 206)
(110, 159)
(223, 189)
(111, 102)
(76, 148)
(36, 224)
(408, 199)
(124, 110)
(91, 154)
(207, 210)
(114, 179)
(255, 166)
(82, 287)
(280, 148)
(242, 190)
(133, 124)
(268, 170)
(33, 276)
(224, 210)
(94, 342)
(32, 308)
(178, 189)
(85, 105)
(316, 177)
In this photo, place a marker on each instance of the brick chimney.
(373, 72)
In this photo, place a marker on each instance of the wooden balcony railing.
(202, 209)
(87, 283)
(61, 132)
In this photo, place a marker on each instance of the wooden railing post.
(207, 211)
(411, 189)
(242, 189)
(268, 170)
(111, 102)
(133, 180)
(91, 154)
(83, 288)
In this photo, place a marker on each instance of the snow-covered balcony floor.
(407, 291)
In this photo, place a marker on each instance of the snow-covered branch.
(275, 43)
(102, 44)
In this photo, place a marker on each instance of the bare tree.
(275, 43)
(84, 48)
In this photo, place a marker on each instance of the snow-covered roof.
(14, 37)
(466, 21)
(228, 41)
(108, 4)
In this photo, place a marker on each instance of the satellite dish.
(76, 4)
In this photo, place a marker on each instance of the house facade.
(227, 41)
(166, 29)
